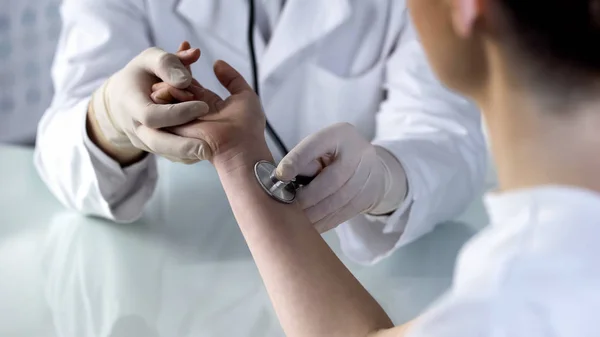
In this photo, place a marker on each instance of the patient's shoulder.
(530, 276)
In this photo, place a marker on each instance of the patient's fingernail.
(189, 52)
(161, 96)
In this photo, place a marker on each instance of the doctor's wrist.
(395, 187)
(125, 156)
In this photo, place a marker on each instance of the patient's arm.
(312, 291)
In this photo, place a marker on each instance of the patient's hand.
(233, 125)
(238, 122)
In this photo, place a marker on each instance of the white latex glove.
(130, 120)
(352, 176)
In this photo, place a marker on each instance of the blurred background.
(29, 31)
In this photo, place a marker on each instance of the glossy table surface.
(182, 270)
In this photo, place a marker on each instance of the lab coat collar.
(302, 23)
(214, 17)
(506, 206)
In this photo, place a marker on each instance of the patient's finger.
(188, 55)
(161, 96)
(214, 101)
(166, 93)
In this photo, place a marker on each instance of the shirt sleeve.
(98, 38)
(452, 317)
(497, 314)
(438, 138)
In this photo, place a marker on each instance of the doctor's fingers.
(343, 197)
(313, 168)
(168, 67)
(326, 183)
(173, 147)
(193, 130)
(141, 108)
(335, 219)
(320, 147)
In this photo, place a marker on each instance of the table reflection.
(103, 279)
(182, 270)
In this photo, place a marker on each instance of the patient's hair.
(558, 39)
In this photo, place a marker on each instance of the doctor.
(415, 153)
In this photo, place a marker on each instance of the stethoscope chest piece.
(284, 192)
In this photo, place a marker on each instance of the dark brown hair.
(558, 35)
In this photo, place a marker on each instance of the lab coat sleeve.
(438, 138)
(98, 38)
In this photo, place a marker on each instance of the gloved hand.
(163, 93)
(237, 122)
(128, 119)
(352, 176)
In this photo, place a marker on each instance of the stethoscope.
(282, 191)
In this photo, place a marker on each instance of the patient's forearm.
(312, 291)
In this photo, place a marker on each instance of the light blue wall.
(29, 32)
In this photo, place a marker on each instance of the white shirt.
(324, 62)
(535, 272)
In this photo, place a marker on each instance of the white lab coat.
(533, 273)
(326, 62)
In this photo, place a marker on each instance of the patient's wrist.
(242, 159)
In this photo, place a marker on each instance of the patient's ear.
(464, 15)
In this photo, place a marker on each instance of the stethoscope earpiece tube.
(264, 171)
(255, 80)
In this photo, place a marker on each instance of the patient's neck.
(536, 142)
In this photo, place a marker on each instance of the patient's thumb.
(230, 78)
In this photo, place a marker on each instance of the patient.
(533, 66)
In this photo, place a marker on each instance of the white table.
(183, 270)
